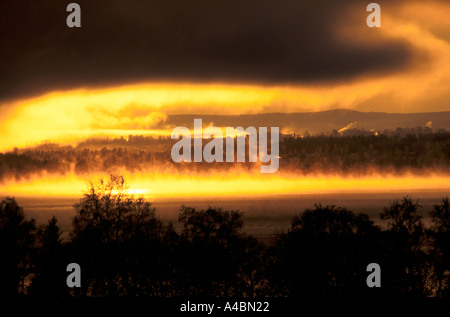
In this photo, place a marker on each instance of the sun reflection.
(245, 184)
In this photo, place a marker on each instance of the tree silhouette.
(405, 262)
(49, 262)
(16, 245)
(325, 252)
(215, 257)
(440, 246)
(112, 231)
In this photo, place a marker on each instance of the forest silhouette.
(124, 249)
(352, 152)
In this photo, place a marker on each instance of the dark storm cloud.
(258, 41)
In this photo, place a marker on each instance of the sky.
(260, 42)
(132, 63)
(301, 47)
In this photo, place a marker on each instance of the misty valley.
(289, 243)
(354, 152)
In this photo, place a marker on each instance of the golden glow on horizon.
(175, 186)
(72, 116)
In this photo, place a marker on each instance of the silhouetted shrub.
(325, 252)
(16, 248)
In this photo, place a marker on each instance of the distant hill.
(323, 121)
